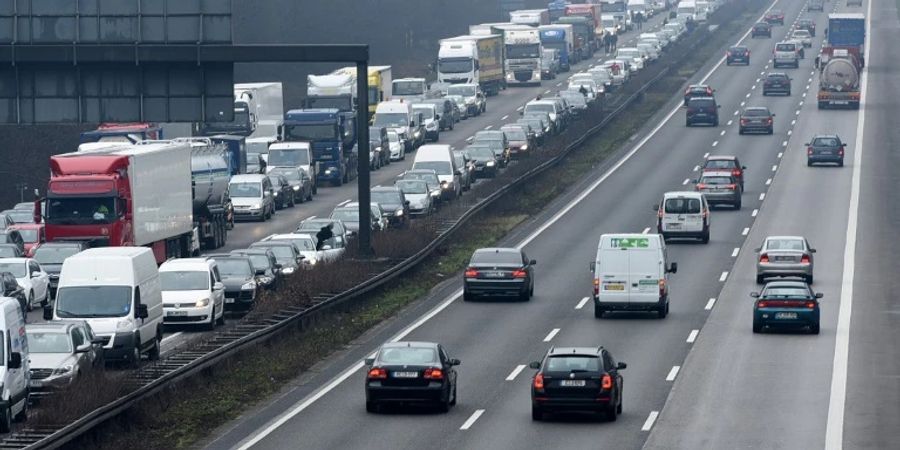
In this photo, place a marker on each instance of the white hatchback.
(683, 215)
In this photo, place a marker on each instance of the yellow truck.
(380, 78)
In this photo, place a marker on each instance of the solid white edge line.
(582, 302)
(471, 420)
(505, 117)
(834, 427)
(710, 303)
(648, 424)
(754, 213)
(512, 375)
(673, 373)
(692, 337)
(724, 276)
(551, 335)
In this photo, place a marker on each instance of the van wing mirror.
(83, 348)
(593, 266)
(673, 268)
(142, 311)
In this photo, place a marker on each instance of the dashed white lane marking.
(582, 302)
(757, 80)
(551, 335)
(471, 420)
(754, 213)
(753, 87)
(807, 86)
(710, 303)
(311, 217)
(172, 336)
(706, 155)
(686, 181)
(512, 375)
(745, 232)
(736, 113)
(520, 108)
(801, 103)
(693, 336)
(547, 91)
(780, 154)
(797, 112)
(743, 103)
(505, 117)
(488, 127)
(735, 252)
(748, 95)
(804, 95)
(768, 182)
(763, 72)
(730, 122)
(722, 133)
(762, 196)
(790, 132)
(775, 167)
(648, 424)
(646, 230)
(696, 168)
(673, 373)
(724, 276)
(715, 143)
(558, 84)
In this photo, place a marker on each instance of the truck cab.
(331, 135)
(243, 121)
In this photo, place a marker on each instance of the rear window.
(682, 206)
(784, 244)
(407, 355)
(720, 164)
(756, 112)
(738, 49)
(786, 292)
(825, 142)
(573, 363)
(716, 180)
(776, 76)
(702, 103)
(492, 257)
(785, 47)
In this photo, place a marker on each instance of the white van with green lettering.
(631, 273)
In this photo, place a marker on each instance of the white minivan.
(440, 159)
(683, 215)
(192, 292)
(14, 370)
(116, 290)
(631, 274)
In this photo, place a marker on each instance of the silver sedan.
(785, 256)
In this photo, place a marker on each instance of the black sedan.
(394, 204)
(485, 160)
(825, 148)
(777, 83)
(761, 29)
(411, 373)
(756, 119)
(284, 193)
(576, 379)
(499, 272)
(737, 55)
(301, 184)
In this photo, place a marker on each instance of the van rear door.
(644, 267)
(612, 276)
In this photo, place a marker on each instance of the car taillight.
(596, 286)
(606, 382)
(809, 150)
(764, 258)
(745, 121)
(769, 120)
(730, 186)
(705, 213)
(840, 152)
(811, 305)
(728, 53)
(539, 381)
(520, 274)
(701, 186)
(377, 373)
(659, 213)
(434, 373)
(762, 304)
(709, 91)
(662, 288)
(804, 259)
(736, 172)
(471, 273)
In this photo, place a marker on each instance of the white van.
(116, 290)
(14, 370)
(440, 159)
(398, 116)
(687, 10)
(192, 292)
(703, 11)
(631, 274)
(683, 215)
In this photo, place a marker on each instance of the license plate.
(35, 384)
(494, 274)
(406, 374)
(229, 300)
(784, 259)
(786, 315)
(824, 152)
(614, 287)
(673, 226)
(571, 383)
(841, 102)
(176, 313)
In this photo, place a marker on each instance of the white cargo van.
(14, 370)
(117, 291)
(631, 274)
(683, 215)
(440, 159)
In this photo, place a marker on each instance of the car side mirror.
(593, 266)
(369, 361)
(15, 360)
(142, 312)
(218, 286)
(454, 362)
(754, 294)
(621, 366)
(83, 348)
(532, 262)
(656, 207)
(773, 114)
(48, 312)
(758, 249)
(535, 365)
(819, 295)
(673, 268)
(437, 117)
(35, 274)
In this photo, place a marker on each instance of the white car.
(655, 36)
(588, 84)
(397, 146)
(803, 36)
(192, 292)
(619, 75)
(650, 50)
(306, 245)
(33, 280)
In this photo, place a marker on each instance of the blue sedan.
(786, 305)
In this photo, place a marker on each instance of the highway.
(732, 389)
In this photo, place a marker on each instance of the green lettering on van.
(630, 243)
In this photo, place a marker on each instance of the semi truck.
(591, 11)
(128, 133)
(413, 89)
(533, 17)
(133, 195)
(556, 9)
(380, 85)
(258, 108)
(331, 135)
(472, 60)
(562, 39)
(213, 213)
(334, 90)
(842, 60)
(619, 10)
(523, 55)
(586, 41)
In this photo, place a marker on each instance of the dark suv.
(577, 379)
(761, 29)
(737, 54)
(757, 118)
(775, 16)
(777, 83)
(702, 110)
(825, 148)
(697, 90)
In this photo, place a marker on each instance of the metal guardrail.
(245, 335)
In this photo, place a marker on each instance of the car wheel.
(524, 297)
(757, 327)
(153, 354)
(221, 319)
(211, 325)
(135, 356)
(453, 401)
(611, 414)
(22, 416)
(598, 311)
(740, 131)
(841, 163)
(663, 311)
(619, 408)
(372, 407)
(809, 279)
(705, 238)
(809, 163)
(737, 206)
(760, 279)
(444, 406)
(537, 414)
(6, 420)
(814, 329)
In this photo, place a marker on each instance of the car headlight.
(256, 206)
(470, 101)
(276, 193)
(124, 324)
(524, 147)
(265, 280)
(248, 286)
(399, 212)
(418, 133)
(377, 149)
(202, 303)
(436, 193)
(63, 370)
(444, 185)
(296, 188)
(287, 270)
(327, 171)
(490, 164)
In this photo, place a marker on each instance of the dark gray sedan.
(757, 119)
(503, 272)
(720, 188)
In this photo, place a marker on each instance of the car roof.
(185, 263)
(778, 74)
(741, 47)
(716, 174)
(251, 251)
(401, 344)
(703, 98)
(786, 283)
(834, 136)
(271, 244)
(498, 250)
(580, 351)
(52, 327)
(785, 237)
(722, 158)
(385, 189)
(679, 194)
(756, 108)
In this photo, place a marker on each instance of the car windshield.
(455, 65)
(18, 269)
(440, 167)
(391, 120)
(412, 186)
(785, 47)
(237, 268)
(756, 112)
(290, 174)
(48, 342)
(515, 134)
(523, 51)
(784, 244)
(776, 76)
(407, 356)
(408, 88)
(54, 255)
(817, 142)
(81, 210)
(309, 132)
(497, 257)
(545, 108)
(9, 251)
(608, 23)
(716, 180)
(283, 253)
(387, 198)
(245, 190)
(772, 292)
(275, 180)
(480, 152)
(345, 214)
(683, 206)
(184, 280)
(427, 113)
(259, 261)
(93, 301)
(304, 244)
(463, 90)
(288, 158)
(30, 236)
(573, 363)
(720, 164)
